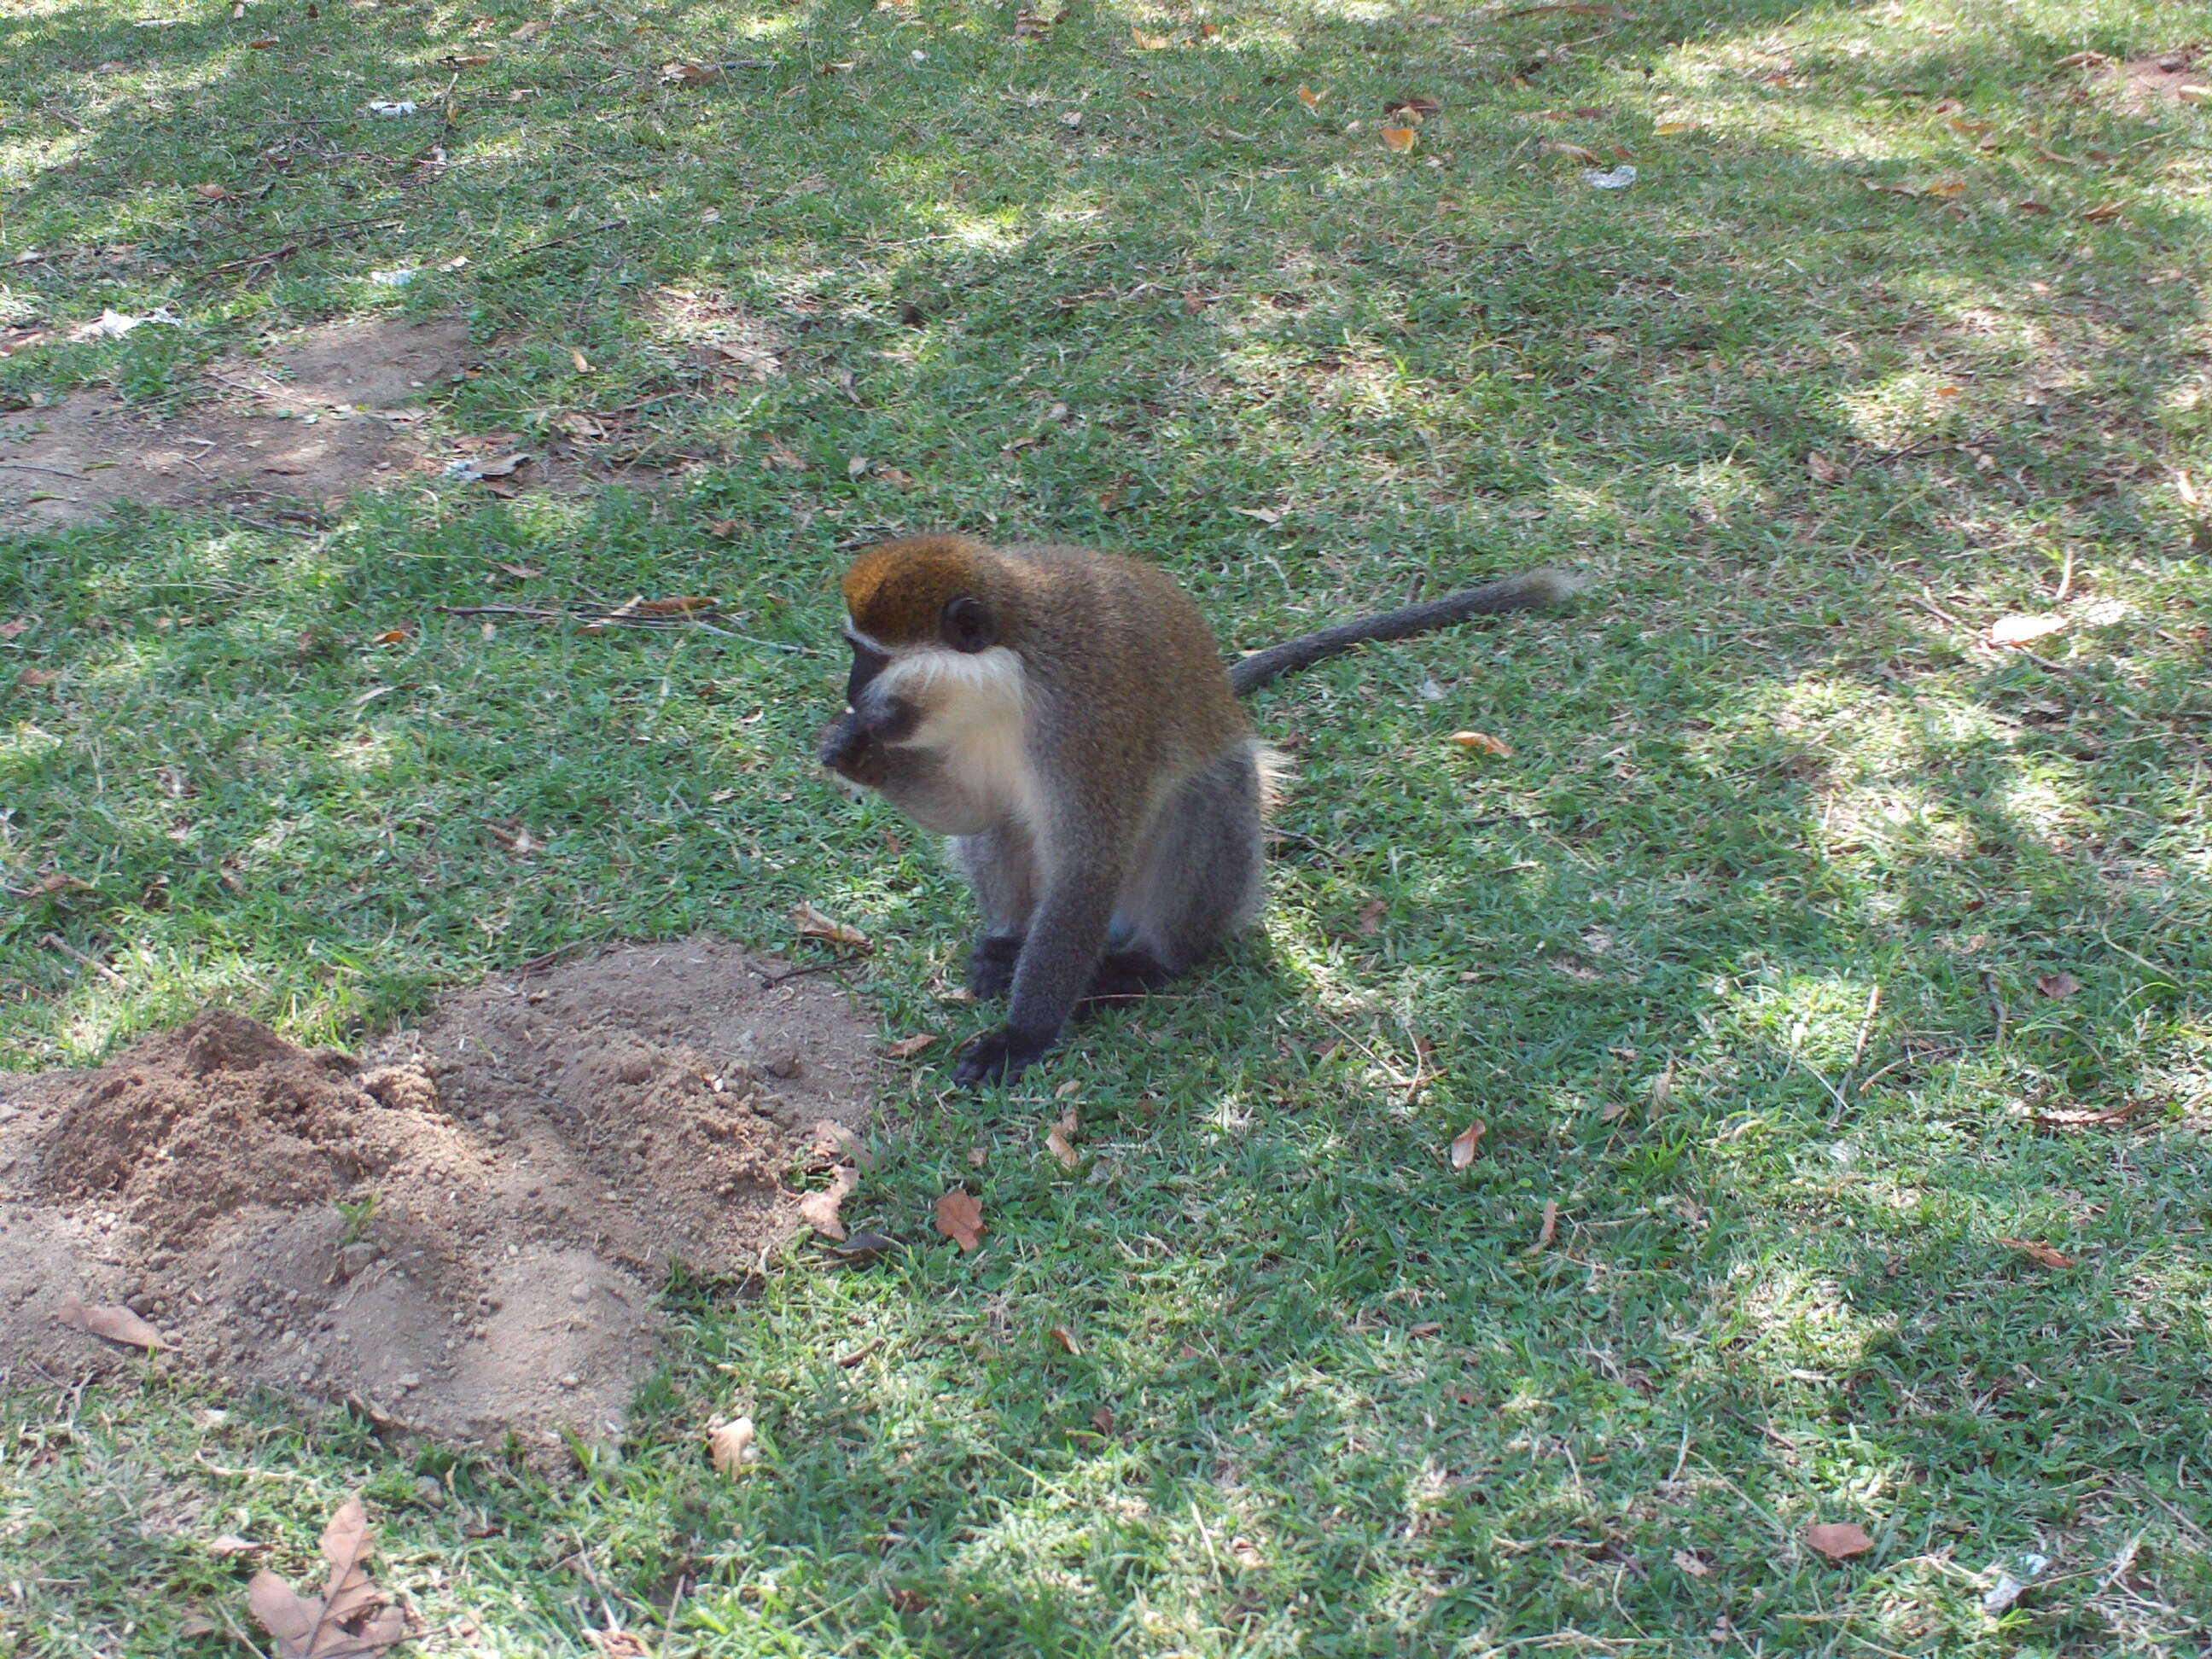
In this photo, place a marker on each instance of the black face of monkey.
(887, 719)
(867, 663)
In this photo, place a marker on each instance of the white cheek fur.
(974, 707)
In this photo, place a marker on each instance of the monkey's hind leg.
(1002, 866)
(1198, 881)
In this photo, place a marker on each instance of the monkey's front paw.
(998, 1056)
(844, 746)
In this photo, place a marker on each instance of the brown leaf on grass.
(1152, 42)
(682, 606)
(1670, 129)
(908, 1047)
(1103, 1421)
(391, 636)
(2020, 630)
(467, 59)
(501, 466)
(1267, 515)
(1467, 1142)
(1548, 1230)
(722, 529)
(344, 1620)
(1060, 1139)
(2038, 1252)
(618, 1644)
(1484, 742)
(264, 44)
(521, 573)
(960, 1219)
(33, 679)
(730, 1445)
(1412, 111)
(211, 193)
(896, 477)
(1066, 1338)
(17, 629)
(1400, 139)
(116, 1324)
(812, 924)
(2063, 1118)
(781, 454)
(1837, 1539)
(1825, 470)
(1694, 1565)
(514, 836)
(2058, 987)
(2103, 212)
(1370, 916)
(688, 75)
(1573, 152)
(532, 29)
(55, 882)
(819, 1210)
(1308, 96)
(2083, 60)
(2030, 207)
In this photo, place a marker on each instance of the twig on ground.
(321, 238)
(56, 942)
(1996, 1007)
(574, 236)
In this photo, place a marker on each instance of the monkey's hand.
(998, 1056)
(848, 750)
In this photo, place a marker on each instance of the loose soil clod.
(464, 1230)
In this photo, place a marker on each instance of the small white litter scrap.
(396, 277)
(390, 109)
(1619, 178)
(114, 325)
(2011, 1581)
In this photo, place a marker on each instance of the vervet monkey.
(1064, 715)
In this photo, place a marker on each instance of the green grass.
(1764, 769)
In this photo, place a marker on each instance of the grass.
(1071, 286)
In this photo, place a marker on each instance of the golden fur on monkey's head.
(896, 592)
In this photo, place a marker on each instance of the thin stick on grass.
(56, 942)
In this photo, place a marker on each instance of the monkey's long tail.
(1530, 588)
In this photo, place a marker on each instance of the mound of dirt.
(463, 1231)
(323, 413)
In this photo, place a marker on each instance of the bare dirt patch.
(323, 414)
(2169, 77)
(461, 1231)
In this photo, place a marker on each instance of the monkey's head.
(924, 617)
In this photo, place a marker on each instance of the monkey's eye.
(967, 625)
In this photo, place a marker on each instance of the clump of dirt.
(323, 413)
(2169, 77)
(463, 1231)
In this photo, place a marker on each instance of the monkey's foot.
(1123, 976)
(991, 964)
(998, 1056)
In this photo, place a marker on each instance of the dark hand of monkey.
(998, 1056)
(845, 746)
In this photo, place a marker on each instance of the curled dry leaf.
(1825, 470)
(1694, 1565)
(2038, 1252)
(1838, 1541)
(2102, 213)
(1548, 1230)
(960, 1219)
(1066, 1338)
(812, 924)
(1572, 152)
(1467, 1142)
(211, 193)
(1669, 128)
(391, 636)
(908, 1047)
(1400, 139)
(1308, 96)
(819, 1210)
(688, 75)
(1370, 916)
(731, 1445)
(115, 1324)
(1152, 42)
(2020, 630)
(1484, 742)
(1060, 1139)
(2058, 987)
(349, 1618)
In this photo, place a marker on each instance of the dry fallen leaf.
(1152, 42)
(391, 636)
(1467, 1142)
(1690, 1564)
(1264, 514)
(812, 924)
(1484, 742)
(688, 75)
(514, 836)
(1572, 152)
(1066, 1338)
(1550, 1228)
(1308, 96)
(819, 1210)
(1399, 138)
(348, 1618)
(1060, 1139)
(618, 1644)
(2058, 987)
(1837, 1539)
(1668, 129)
(908, 1047)
(731, 1446)
(532, 29)
(116, 1324)
(2102, 212)
(960, 1219)
(781, 454)
(521, 573)
(2038, 1252)
(1370, 916)
(1825, 470)
(212, 192)
(2019, 630)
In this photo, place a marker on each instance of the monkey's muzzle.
(848, 750)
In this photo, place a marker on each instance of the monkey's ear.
(967, 625)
